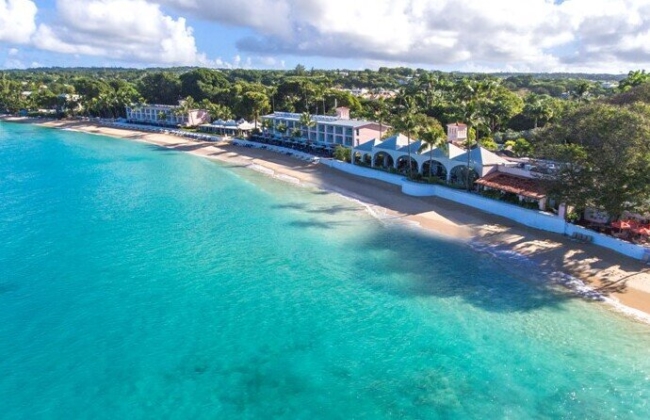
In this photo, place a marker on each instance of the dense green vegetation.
(517, 102)
(605, 148)
(599, 132)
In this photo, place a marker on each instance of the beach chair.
(582, 238)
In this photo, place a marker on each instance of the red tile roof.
(527, 187)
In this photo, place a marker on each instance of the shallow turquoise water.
(142, 283)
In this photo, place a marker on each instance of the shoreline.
(623, 282)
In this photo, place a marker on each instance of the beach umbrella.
(621, 224)
(642, 231)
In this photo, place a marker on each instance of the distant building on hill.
(167, 115)
(328, 130)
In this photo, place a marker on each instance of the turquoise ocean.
(137, 282)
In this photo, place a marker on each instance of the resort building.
(167, 115)
(230, 128)
(524, 185)
(327, 130)
(448, 163)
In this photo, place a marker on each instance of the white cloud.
(17, 20)
(268, 17)
(536, 35)
(613, 33)
(268, 62)
(128, 30)
(513, 35)
(13, 64)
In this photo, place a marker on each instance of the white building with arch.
(448, 163)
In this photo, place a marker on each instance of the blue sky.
(610, 36)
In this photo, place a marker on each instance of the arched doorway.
(435, 169)
(459, 176)
(384, 160)
(402, 165)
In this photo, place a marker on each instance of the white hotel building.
(329, 130)
(168, 115)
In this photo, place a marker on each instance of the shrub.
(342, 153)
(433, 180)
(493, 194)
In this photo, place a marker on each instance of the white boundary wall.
(606, 241)
(532, 218)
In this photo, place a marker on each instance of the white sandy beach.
(623, 281)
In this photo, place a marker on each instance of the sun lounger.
(582, 238)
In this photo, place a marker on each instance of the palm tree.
(427, 83)
(433, 136)
(634, 78)
(108, 103)
(473, 96)
(270, 92)
(295, 133)
(537, 107)
(216, 111)
(256, 102)
(290, 102)
(319, 95)
(307, 121)
(581, 92)
(408, 122)
(281, 128)
(206, 104)
(473, 119)
(381, 114)
(266, 125)
(185, 106)
(162, 117)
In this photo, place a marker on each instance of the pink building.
(167, 115)
(196, 117)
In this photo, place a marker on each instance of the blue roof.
(368, 146)
(481, 156)
(390, 143)
(413, 147)
(437, 153)
(395, 142)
